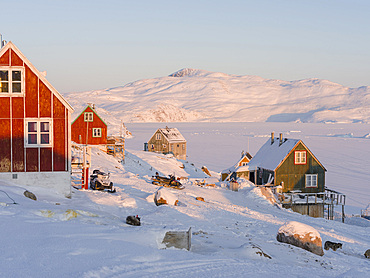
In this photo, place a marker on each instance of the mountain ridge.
(191, 95)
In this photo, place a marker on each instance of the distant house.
(167, 140)
(240, 168)
(289, 163)
(88, 128)
(35, 120)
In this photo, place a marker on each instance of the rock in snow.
(301, 235)
(164, 197)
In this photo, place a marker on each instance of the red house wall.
(80, 127)
(38, 102)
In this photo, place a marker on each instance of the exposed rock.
(367, 253)
(30, 195)
(200, 199)
(301, 235)
(165, 197)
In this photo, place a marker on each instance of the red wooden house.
(89, 129)
(35, 126)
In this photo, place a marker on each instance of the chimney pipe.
(1, 41)
(272, 138)
(281, 139)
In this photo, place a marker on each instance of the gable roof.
(271, 156)
(11, 46)
(88, 106)
(236, 168)
(172, 135)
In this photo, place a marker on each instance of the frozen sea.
(343, 149)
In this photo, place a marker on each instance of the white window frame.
(158, 136)
(38, 132)
(88, 116)
(10, 81)
(300, 157)
(311, 180)
(96, 132)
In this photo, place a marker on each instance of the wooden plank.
(31, 94)
(16, 61)
(5, 107)
(5, 153)
(4, 60)
(45, 159)
(44, 100)
(60, 141)
(32, 160)
(18, 145)
(18, 107)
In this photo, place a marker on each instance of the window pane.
(4, 87)
(44, 126)
(16, 75)
(17, 87)
(4, 75)
(32, 127)
(45, 138)
(32, 138)
(308, 180)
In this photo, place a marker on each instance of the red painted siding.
(44, 100)
(60, 141)
(5, 154)
(18, 107)
(80, 128)
(31, 94)
(32, 159)
(18, 145)
(46, 159)
(4, 60)
(16, 61)
(5, 108)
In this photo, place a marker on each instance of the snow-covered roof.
(173, 135)
(236, 168)
(270, 155)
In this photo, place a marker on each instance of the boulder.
(301, 235)
(367, 253)
(30, 195)
(200, 199)
(165, 197)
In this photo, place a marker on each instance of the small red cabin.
(35, 145)
(89, 129)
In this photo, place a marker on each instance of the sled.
(170, 182)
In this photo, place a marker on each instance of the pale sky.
(89, 45)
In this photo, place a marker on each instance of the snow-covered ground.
(86, 236)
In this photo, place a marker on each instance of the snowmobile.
(100, 180)
(167, 182)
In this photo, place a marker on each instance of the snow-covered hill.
(86, 236)
(191, 95)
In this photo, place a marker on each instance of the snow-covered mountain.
(192, 95)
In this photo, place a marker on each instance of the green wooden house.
(289, 163)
